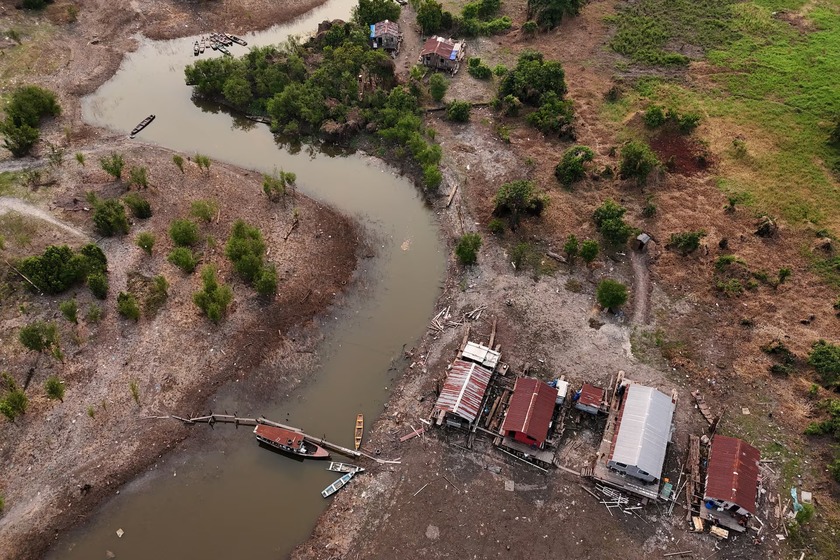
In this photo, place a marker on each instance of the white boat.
(344, 468)
(337, 485)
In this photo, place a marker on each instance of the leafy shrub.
(438, 86)
(214, 298)
(39, 336)
(608, 220)
(516, 199)
(532, 78)
(478, 69)
(686, 242)
(730, 287)
(127, 306)
(70, 310)
(204, 210)
(467, 248)
(572, 166)
(58, 268)
(511, 105)
(19, 139)
(549, 13)
(266, 281)
(109, 218)
(274, 186)
(94, 314)
(98, 284)
(138, 176)
(80, 157)
(687, 122)
(529, 28)
(139, 206)
(14, 401)
(113, 165)
(589, 250)
(184, 233)
(246, 248)
(179, 162)
(432, 177)
(553, 115)
(611, 294)
(26, 106)
(146, 241)
(571, 247)
(654, 116)
(54, 388)
(203, 162)
(157, 296)
(825, 358)
(183, 258)
(496, 226)
(637, 161)
(458, 111)
(368, 12)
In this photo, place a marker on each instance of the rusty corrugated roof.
(385, 27)
(531, 408)
(464, 390)
(590, 395)
(279, 435)
(733, 472)
(439, 46)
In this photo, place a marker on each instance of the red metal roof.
(590, 395)
(385, 27)
(280, 436)
(733, 472)
(531, 408)
(464, 390)
(438, 46)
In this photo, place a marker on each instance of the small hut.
(442, 54)
(641, 242)
(385, 35)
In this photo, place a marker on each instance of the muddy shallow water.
(221, 495)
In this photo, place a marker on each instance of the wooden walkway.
(239, 421)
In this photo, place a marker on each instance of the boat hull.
(289, 442)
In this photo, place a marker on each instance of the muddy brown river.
(221, 496)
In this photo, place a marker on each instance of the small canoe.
(202, 44)
(143, 124)
(345, 468)
(195, 49)
(237, 40)
(360, 430)
(214, 45)
(224, 50)
(337, 485)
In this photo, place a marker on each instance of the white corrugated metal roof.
(464, 390)
(644, 429)
(483, 355)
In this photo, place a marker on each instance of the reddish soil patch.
(679, 153)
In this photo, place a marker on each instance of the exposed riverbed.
(222, 496)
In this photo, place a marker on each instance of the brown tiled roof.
(733, 472)
(531, 408)
(438, 46)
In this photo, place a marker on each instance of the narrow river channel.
(221, 496)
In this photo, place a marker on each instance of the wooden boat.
(237, 40)
(290, 442)
(344, 468)
(143, 124)
(360, 429)
(337, 485)
(202, 44)
(224, 50)
(214, 45)
(195, 49)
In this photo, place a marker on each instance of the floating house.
(732, 480)
(590, 399)
(385, 35)
(462, 394)
(442, 54)
(530, 412)
(642, 432)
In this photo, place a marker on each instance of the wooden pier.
(239, 421)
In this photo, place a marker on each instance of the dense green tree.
(572, 166)
(611, 294)
(549, 13)
(109, 218)
(589, 250)
(183, 258)
(368, 12)
(438, 85)
(516, 199)
(18, 139)
(608, 219)
(29, 104)
(184, 233)
(429, 16)
(571, 247)
(467, 248)
(637, 161)
(458, 111)
(532, 78)
(39, 336)
(214, 297)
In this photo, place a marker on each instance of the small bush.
(203, 162)
(179, 162)
(109, 218)
(246, 249)
(157, 296)
(571, 247)
(458, 111)
(686, 242)
(138, 176)
(608, 220)
(637, 161)
(127, 306)
(467, 248)
(80, 157)
(183, 258)
(204, 210)
(70, 310)
(54, 388)
(516, 199)
(139, 206)
(266, 281)
(113, 165)
(438, 85)
(134, 389)
(611, 294)
(496, 226)
(572, 166)
(146, 241)
(14, 401)
(687, 122)
(478, 69)
(214, 298)
(529, 28)
(654, 116)
(98, 284)
(432, 177)
(94, 314)
(589, 250)
(39, 336)
(825, 358)
(184, 233)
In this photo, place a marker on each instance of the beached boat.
(360, 430)
(202, 44)
(143, 124)
(337, 485)
(344, 468)
(290, 442)
(195, 49)
(237, 40)
(224, 50)
(214, 45)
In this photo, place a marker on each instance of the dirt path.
(641, 287)
(8, 204)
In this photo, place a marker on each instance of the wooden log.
(291, 229)
(452, 195)
(556, 257)
(492, 334)
(22, 275)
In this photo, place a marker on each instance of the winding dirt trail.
(8, 204)
(641, 288)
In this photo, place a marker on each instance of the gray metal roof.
(644, 429)
(481, 354)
